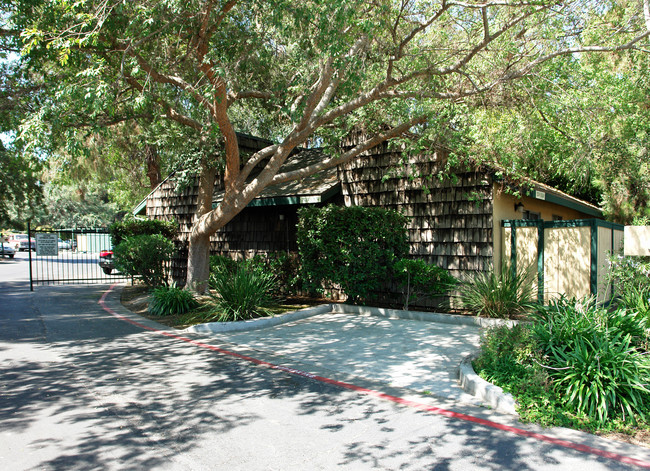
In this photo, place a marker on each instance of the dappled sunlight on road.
(89, 391)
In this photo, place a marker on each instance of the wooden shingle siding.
(450, 221)
(254, 231)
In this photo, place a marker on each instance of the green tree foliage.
(586, 131)
(65, 206)
(352, 248)
(303, 71)
(19, 190)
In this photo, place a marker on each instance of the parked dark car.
(106, 261)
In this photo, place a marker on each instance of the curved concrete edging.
(470, 382)
(262, 322)
(454, 319)
(486, 392)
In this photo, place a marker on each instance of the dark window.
(532, 215)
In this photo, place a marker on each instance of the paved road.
(82, 389)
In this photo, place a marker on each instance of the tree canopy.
(300, 71)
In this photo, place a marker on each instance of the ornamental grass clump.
(171, 301)
(503, 295)
(595, 358)
(242, 294)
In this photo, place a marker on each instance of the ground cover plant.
(574, 363)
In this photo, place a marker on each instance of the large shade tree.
(586, 132)
(318, 67)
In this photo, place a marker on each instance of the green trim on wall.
(141, 208)
(593, 274)
(540, 263)
(564, 223)
(566, 202)
(513, 250)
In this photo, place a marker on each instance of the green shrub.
(629, 275)
(146, 256)
(602, 375)
(418, 278)
(504, 295)
(221, 263)
(353, 248)
(243, 294)
(171, 301)
(284, 267)
(593, 357)
(575, 363)
(510, 358)
(134, 227)
(558, 325)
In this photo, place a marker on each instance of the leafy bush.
(418, 278)
(602, 375)
(221, 263)
(171, 301)
(589, 365)
(352, 248)
(593, 357)
(145, 256)
(243, 294)
(503, 295)
(285, 269)
(134, 227)
(629, 273)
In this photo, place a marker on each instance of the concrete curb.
(261, 323)
(453, 319)
(470, 382)
(486, 392)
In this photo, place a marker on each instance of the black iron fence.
(71, 256)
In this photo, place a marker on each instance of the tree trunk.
(198, 263)
(198, 258)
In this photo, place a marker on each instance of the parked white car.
(6, 250)
(64, 244)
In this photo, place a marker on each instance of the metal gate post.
(29, 250)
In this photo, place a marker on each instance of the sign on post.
(47, 244)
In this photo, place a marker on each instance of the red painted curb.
(387, 397)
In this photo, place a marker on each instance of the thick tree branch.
(235, 96)
(348, 155)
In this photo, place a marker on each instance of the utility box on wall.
(637, 241)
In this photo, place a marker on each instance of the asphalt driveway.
(87, 386)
